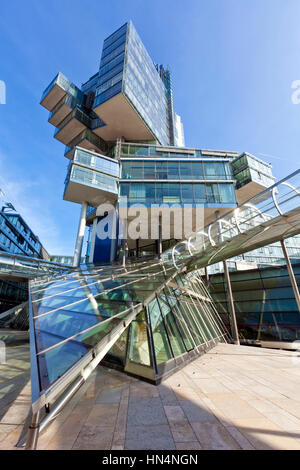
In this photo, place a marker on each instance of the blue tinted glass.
(144, 87)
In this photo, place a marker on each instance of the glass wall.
(16, 237)
(98, 162)
(264, 301)
(175, 170)
(247, 168)
(111, 66)
(178, 193)
(90, 177)
(144, 87)
(148, 149)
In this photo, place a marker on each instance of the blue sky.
(233, 64)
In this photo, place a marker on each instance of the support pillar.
(33, 432)
(234, 327)
(137, 247)
(80, 235)
(124, 243)
(159, 241)
(206, 276)
(93, 239)
(291, 274)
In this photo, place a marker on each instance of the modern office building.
(127, 161)
(159, 213)
(125, 144)
(17, 237)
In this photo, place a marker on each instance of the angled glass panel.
(161, 342)
(177, 312)
(172, 329)
(138, 341)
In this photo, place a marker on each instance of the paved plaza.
(234, 397)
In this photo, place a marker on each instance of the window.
(186, 171)
(187, 193)
(227, 194)
(199, 193)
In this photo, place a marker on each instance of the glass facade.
(175, 170)
(247, 168)
(111, 68)
(89, 177)
(11, 294)
(92, 170)
(153, 150)
(144, 87)
(127, 68)
(265, 304)
(76, 311)
(178, 193)
(171, 177)
(16, 237)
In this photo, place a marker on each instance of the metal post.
(93, 240)
(124, 242)
(80, 235)
(33, 432)
(137, 246)
(159, 241)
(234, 327)
(291, 274)
(206, 276)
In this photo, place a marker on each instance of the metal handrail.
(235, 219)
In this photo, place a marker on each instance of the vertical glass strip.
(172, 330)
(162, 347)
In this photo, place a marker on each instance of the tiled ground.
(14, 393)
(234, 397)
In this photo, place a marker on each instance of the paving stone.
(193, 445)
(149, 437)
(175, 414)
(109, 395)
(103, 415)
(143, 410)
(94, 438)
(167, 395)
(196, 412)
(214, 437)
(182, 432)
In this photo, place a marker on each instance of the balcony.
(57, 90)
(63, 109)
(76, 122)
(92, 178)
(88, 140)
(252, 176)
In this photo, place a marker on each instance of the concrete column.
(80, 235)
(234, 327)
(291, 274)
(93, 239)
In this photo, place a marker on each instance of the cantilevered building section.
(130, 95)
